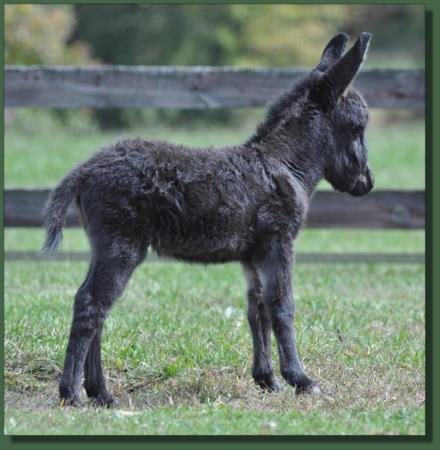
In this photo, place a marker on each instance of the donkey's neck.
(302, 161)
(307, 171)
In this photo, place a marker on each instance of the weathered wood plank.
(379, 209)
(187, 87)
(302, 258)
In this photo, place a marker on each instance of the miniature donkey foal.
(240, 203)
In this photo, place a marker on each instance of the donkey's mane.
(278, 110)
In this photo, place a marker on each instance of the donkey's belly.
(220, 256)
(200, 223)
(202, 247)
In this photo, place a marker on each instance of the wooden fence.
(379, 209)
(212, 87)
(187, 87)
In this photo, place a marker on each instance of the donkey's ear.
(337, 78)
(333, 51)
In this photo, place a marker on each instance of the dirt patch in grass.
(341, 387)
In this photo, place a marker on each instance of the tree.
(38, 34)
(398, 32)
(285, 35)
(157, 35)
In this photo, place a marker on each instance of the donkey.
(241, 203)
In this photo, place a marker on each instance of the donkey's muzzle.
(363, 184)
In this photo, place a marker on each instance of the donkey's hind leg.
(94, 380)
(113, 263)
(261, 329)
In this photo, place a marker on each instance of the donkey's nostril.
(369, 180)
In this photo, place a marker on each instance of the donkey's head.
(319, 124)
(345, 114)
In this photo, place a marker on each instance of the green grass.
(218, 419)
(178, 352)
(309, 240)
(177, 348)
(396, 152)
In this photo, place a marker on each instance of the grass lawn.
(178, 352)
(396, 152)
(177, 349)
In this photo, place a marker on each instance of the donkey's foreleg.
(259, 322)
(276, 269)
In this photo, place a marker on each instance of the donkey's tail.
(56, 208)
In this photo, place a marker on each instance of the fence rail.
(187, 87)
(302, 258)
(379, 209)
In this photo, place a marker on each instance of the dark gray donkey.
(240, 203)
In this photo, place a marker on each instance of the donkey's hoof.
(307, 387)
(269, 383)
(70, 401)
(105, 401)
(68, 396)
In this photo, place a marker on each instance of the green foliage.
(280, 35)
(38, 34)
(157, 34)
(398, 33)
(285, 35)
